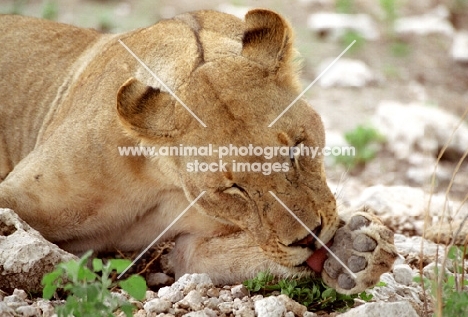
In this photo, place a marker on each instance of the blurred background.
(397, 95)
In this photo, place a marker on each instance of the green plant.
(312, 293)
(50, 10)
(89, 292)
(449, 291)
(365, 140)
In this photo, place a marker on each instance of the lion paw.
(366, 246)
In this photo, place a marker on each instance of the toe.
(364, 243)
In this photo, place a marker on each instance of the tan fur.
(70, 97)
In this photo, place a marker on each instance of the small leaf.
(49, 291)
(97, 265)
(119, 264)
(329, 293)
(127, 309)
(135, 285)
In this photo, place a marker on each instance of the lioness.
(70, 98)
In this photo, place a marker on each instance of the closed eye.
(295, 153)
(236, 190)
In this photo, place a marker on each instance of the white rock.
(193, 281)
(345, 72)
(430, 270)
(403, 274)
(226, 307)
(20, 293)
(150, 295)
(244, 311)
(170, 294)
(239, 291)
(46, 307)
(434, 22)
(459, 48)
(337, 24)
(292, 306)
(269, 307)
(309, 314)
(14, 301)
(408, 246)
(5, 310)
(403, 207)
(416, 127)
(212, 302)
(225, 296)
(157, 306)
(27, 311)
(193, 300)
(382, 309)
(24, 254)
(202, 313)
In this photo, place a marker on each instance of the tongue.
(316, 260)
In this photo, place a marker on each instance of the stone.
(170, 294)
(25, 255)
(269, 307)
(345, 72)
(403, 274)
(27, 311)
(212, 292)
(188, 282)
(193, 300)
(433, 22)
(155, 279)
(403, 208)
(382, 309)
(292, 306)
(6, 311)
(157, 306)
(202, 313)
(335, 25)
(20, 294)
(239, 291)
(45, 307)
(419, 128)
(459, 50)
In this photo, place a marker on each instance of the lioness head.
(238, 96)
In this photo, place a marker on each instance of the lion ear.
(145, 111)
(267, 39)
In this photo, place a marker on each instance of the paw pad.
(366, 246)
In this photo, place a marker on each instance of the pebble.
(459, 50)
(382, 309)
(403, 274)
(157, 306)
(433, 22)
(345, 72)
(270, 307)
